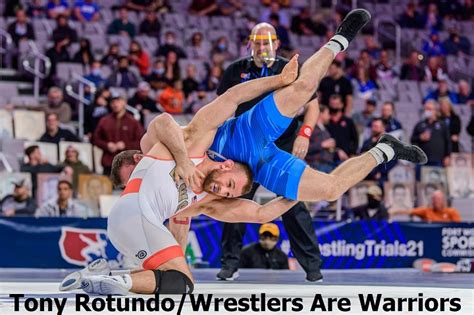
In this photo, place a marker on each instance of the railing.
(36, 68)
(398, 36)
(7, 39)
(79, 96)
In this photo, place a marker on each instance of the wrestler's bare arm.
(243, 210)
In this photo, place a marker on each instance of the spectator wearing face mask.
(432, 136)
(157, 78)
(95, 75)
(264, 254)
(374, 209)
(123, 77)
(170, 45)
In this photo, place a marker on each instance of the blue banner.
(69, 242)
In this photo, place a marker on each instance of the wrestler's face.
(127, 169)
(227, 181)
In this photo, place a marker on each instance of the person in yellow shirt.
(437, 212)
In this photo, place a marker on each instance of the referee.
(297, 221)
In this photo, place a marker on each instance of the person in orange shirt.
(172, 98)
(438, 212)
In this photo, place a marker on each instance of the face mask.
(333, 111)
(372, 202)
(96, 72)
(55, 102)
(427, 114)
(159, 71)
(267, 244)
(222, 47)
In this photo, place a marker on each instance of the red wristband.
(305, 131)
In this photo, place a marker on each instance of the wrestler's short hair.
(123, 158)
(248, 187)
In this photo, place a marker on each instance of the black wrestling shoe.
(228, 274)
(314, 276)
(403, 151)
(353, 23)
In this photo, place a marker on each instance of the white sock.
(336, 44)
(382, 152)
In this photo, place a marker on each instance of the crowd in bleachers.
(169, 56)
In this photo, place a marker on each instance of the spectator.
(437, 212)
(56, 104)
(86, 11)
(441, 92)
(57, 53)
(94, 112)
(392, 125)
(464, 95)
(36, 164)
(264, 254)
(190, 83)
(451, 120)
(342, 129)
(112, 56)
(57, 7)
(95, 75)
(123, 77)
(84, 55)
(198, 100)
(363, 118)
(64, 205)
(433, 46)
(220, 52)
(411, 18)
(203, 7)
(212, 81)
(432, 136)
(121, 25)
(432, 20)
(319, 27)
(173, 72)
(411, 69)
(302, 23)
(384, 69)
(142, 101)
(63, 30)
(172, 98)
(77, 166)
(197, 50)
(456, 44)
(55, 134)
(21, 29)
(377, 129)
(20, 202)
(150, 26)
(321, 146)
(374, 209)
(157, 77)
(116, 132)
(36, 9)
(336, 83)
(139, 58)
(170, 45)
(433, 70)
(371, 46)
(365, 87)
(364, 61)
(281, 31)
(275, 9)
